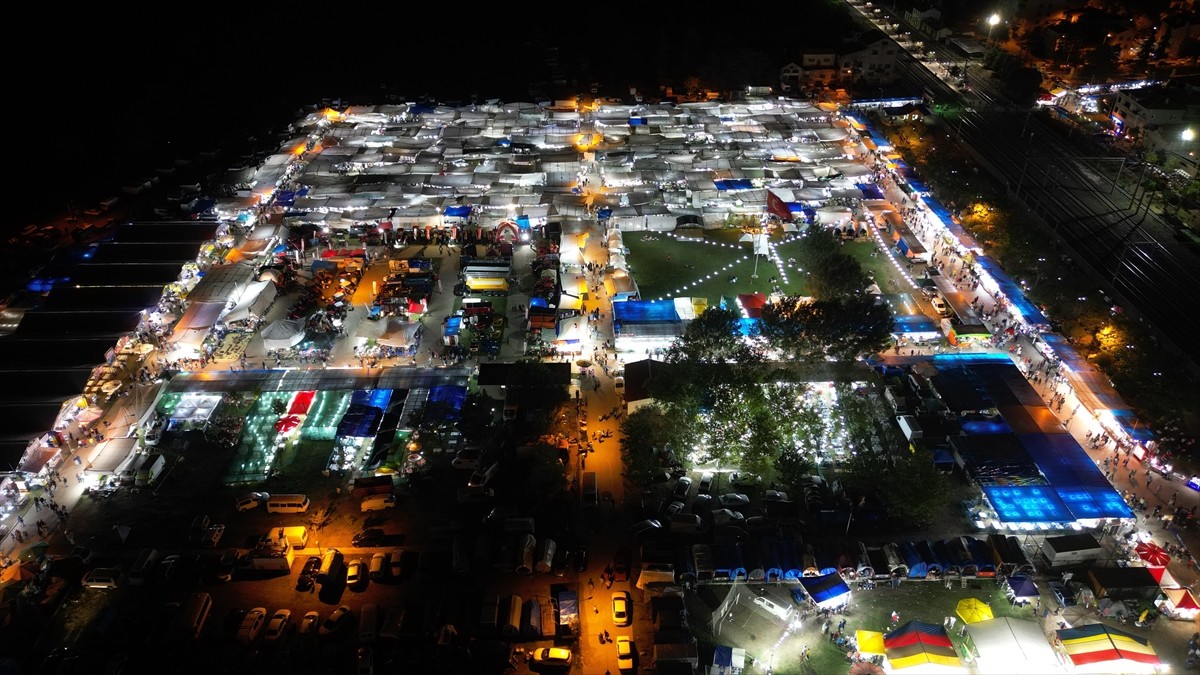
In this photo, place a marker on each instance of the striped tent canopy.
(916, 643)
(1097, 643)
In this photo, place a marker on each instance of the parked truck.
(372, 485)
(1071, 550)
(566, 602)
(149, 471)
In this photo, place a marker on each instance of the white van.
(143, 566)
(511, 626)
(195, 614)
(377, 503)
(331, 565)
(287, 504)
(368, 623)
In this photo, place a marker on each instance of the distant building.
(1137, 111)
(870, 58)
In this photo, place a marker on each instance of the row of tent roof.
(778, 558)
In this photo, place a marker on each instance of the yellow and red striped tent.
(1097, 643)
(916, 643)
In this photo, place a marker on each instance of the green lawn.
(704, 268)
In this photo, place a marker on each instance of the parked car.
(364, 661)
(579, 558)
(701, 503)
(621, 564)
(674, 507)
(103, 577)
(621, 609)
(336, 620)
(372, 536)
(733, 500)
(277, 626)
(727, 517)
(467, 459)
(308, 625)
(482, 476)
(552, 656)
(395, 563)
(626, 653)
(775, 496)
(311, 567)
(1062, 593)
(212, 536)
(252, 624)
(682, 487)
(251, 500)
(356, 574)
(706, 482)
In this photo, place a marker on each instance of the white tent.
(222, 283)
(282, 334)
(400, 333)
(255, 300)
(1009, 645)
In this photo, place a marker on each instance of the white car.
(252, 624)
(309, 624)
(733, 500)
(625, 653)
(355, 573)
(103, 577)
(278, 624)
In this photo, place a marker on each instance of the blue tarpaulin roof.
(825, 589)
(1022, 587)
(604, 214)
(1094, 502)
(964, 237)
(637, 121)
(1027, 504)
(453, 325)
(642, 311)
(913, 323)
(1013, 292)
(449, 396)
(374, 398)
(285, 198)
(869, 190)
(360, 421)
(458, 211)
(734, 184)
(1062, 461)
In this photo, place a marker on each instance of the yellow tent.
(973, 610)
(870, 642)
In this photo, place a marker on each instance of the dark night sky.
(107, 99)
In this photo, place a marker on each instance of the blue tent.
(734, 184)
(917, 569)
(827, 590)
(458, 211)
(1022, 587)
(933, 565)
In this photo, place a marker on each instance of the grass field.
(702, 263)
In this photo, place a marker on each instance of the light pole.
(992, 21)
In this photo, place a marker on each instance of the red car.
(621, 564)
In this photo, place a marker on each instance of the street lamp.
(992, 21)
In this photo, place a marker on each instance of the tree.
(714, 337)
(649, 429)
(836, 275)
(914, 490)
(533, 386)
(838, 329)
(540, 475)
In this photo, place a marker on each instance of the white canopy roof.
(1008, 645)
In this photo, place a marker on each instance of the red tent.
(752, 304)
